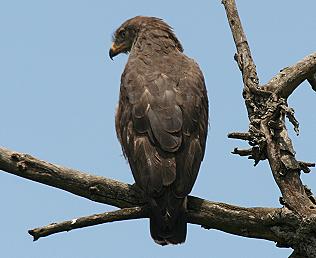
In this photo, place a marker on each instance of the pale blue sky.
(59, 90)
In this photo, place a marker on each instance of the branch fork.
(267, 107)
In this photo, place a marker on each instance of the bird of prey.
(161, 121)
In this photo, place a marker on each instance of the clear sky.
(59, 91)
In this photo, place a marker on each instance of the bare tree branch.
(242, 152)
(286, 172)
(289, 78)
(266, 115)
(92, 220)
(241, 136)
(305, 166)
(249, 222)
(268, 136)
(243, 56)
(95, 188)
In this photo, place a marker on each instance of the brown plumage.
(161, 121)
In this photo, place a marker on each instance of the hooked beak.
(116, 49)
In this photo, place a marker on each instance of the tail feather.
(168, 223)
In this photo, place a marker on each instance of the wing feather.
(163, 124)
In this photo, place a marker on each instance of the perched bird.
(161, 121)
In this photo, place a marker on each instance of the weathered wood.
(289, 78)
(268, 136)
(92, 220)
(249, 222)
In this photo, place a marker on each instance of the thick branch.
(248, 222)
(267, 109)
(92, 187)
(286, 174)
(288, 79)
(265, 115)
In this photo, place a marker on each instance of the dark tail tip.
(172, 234)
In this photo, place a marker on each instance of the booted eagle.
(161, 121)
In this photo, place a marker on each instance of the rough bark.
(289, 78)
(263, 223)
(87, 221)
(267, 108)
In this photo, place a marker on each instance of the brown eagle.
(161, 121)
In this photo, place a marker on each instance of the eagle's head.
(131, 30)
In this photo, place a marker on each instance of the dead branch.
(92, 220)
(267, 109)
(266, 116)
(95, 188)
(289, 78)
(249, 222)
(241, 136)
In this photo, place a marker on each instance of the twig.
(96, 219)
(240, 136)
(242, 152)
(305, 166)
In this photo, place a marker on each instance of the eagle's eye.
(122, 34)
